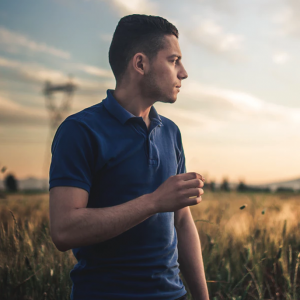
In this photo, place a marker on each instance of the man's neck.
(133, 102)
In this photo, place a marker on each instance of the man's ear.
(140, 63)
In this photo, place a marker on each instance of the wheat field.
(250, 244)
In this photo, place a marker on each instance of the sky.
(238, 111)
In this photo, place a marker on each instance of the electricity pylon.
(57, 112)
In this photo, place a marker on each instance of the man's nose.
(183, 74)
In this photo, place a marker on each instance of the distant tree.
(282, 189)
(212, 186)
(11, 183)
(242, 187)
(207, 185)
(225, 185)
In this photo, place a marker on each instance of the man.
(119, 191)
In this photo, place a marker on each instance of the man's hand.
(176, 192)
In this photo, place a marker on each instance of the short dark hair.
(137, 33)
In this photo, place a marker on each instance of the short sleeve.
(72, 156)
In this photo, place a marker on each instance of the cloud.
(95, 71)
(209, 34)
(125, 7)
(216, 6)
(12, 113)
(281, 58)
(88, 93)
(215, 105)
(211, 116)
(106, 37)
(37, 74)
(222, 5)
(193, 119)
(288, 18)
(230, 105)
(14, 42)
(31, 72)
(209, 113)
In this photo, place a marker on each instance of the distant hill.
(30, 183)
(290, 184)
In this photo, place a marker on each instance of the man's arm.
(73, 225)
(189, 254)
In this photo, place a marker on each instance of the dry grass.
(30, 265)
(249, 253)
(252, 252)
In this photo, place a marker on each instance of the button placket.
(152, 150)
(150, 145)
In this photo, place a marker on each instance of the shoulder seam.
(83, 113)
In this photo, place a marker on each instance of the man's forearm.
(190, 260)
(87, 226)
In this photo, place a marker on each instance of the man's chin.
(172, 99)
(168, 99)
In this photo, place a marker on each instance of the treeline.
(11, 185)
(242, 187)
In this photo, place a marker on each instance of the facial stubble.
(152, 90)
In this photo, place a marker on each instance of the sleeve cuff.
(69, 182)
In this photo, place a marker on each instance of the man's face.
(163, 80)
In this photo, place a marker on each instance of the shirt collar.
(119, 112)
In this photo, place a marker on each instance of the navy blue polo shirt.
(110, 153)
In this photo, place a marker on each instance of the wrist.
(150, 203)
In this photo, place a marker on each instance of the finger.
(191, 175)
(194, 183)
(195, 201)
(193, 192)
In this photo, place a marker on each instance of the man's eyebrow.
(174, 55)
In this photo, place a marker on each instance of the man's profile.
(119, 190)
